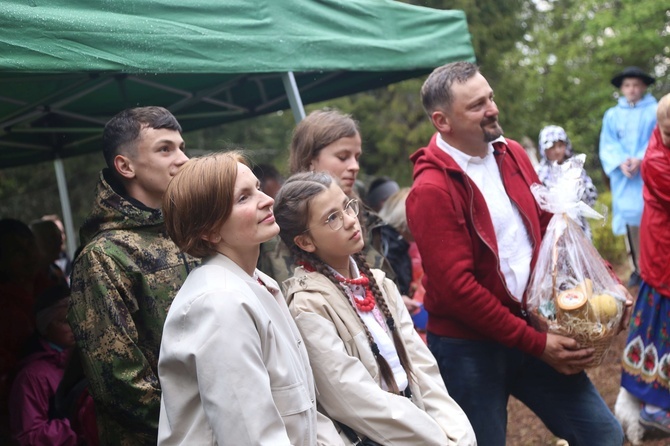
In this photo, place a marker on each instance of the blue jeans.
(481, 375)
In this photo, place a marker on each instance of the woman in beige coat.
(233, 367)
(374, 375)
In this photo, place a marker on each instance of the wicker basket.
(600, 341)
(587, 333)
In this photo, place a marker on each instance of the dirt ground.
(525, 429)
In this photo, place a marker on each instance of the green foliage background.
(609, 246)
(549, 62)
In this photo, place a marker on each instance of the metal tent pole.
(293, 96)
(65, 207)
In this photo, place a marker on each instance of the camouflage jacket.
(277, 261)
(123, 283)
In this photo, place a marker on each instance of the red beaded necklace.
(368, 303)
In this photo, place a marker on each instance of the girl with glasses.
(375, 377)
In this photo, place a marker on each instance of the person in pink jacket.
(478, 229)
(32, 416)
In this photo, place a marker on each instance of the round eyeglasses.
(336, 219)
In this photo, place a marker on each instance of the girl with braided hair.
(374, 375)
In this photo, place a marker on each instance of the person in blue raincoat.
(624, 136)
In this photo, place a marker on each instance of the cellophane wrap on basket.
(571, 291)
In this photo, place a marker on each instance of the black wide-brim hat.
(632, 72)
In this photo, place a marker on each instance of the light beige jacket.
(347, 378)
(233, 366)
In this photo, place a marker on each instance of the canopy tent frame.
(69, 65)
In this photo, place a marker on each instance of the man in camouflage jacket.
(127, 274)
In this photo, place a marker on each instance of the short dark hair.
(11, 228)
(123, 130)
(13, 231)
(436, 90)
(379, 191)
(266, 171)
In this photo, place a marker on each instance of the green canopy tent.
(67, 66)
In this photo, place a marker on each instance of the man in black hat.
(624, 136)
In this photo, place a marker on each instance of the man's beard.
(491, 135)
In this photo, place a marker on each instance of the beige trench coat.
(348, 379)
(233, 366)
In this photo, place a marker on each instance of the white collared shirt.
(376, 324)
(515, 250)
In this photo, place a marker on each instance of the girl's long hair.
(291, 210)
